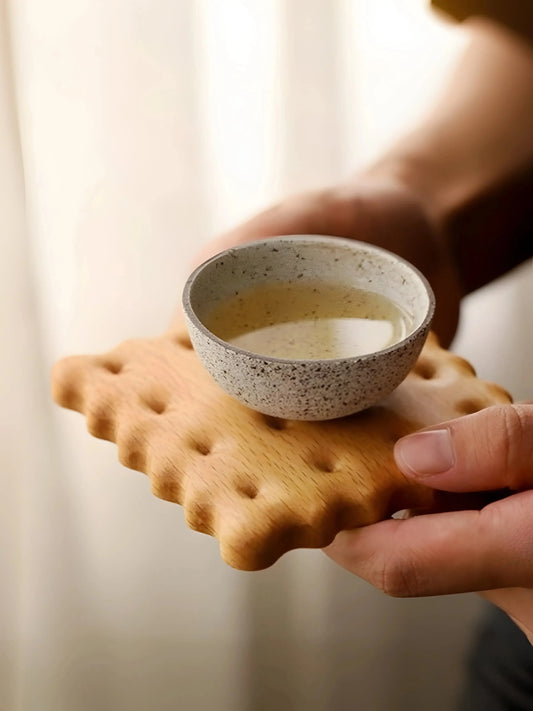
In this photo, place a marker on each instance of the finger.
(491, 449)
(439, 554)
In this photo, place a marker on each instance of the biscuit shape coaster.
(260, 485)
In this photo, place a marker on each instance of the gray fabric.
(500, 668)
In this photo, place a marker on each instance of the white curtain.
(131, 132)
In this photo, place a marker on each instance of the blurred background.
(132, 132)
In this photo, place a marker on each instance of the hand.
(380, 210)
(488, 551)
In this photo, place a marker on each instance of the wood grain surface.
(260, 485)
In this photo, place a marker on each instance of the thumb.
(491, 449)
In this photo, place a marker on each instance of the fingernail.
(425, 453)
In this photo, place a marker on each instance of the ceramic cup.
(307, 389)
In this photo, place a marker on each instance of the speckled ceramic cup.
(307, 389)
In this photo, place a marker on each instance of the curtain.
(131, 132)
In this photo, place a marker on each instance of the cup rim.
(358, 244)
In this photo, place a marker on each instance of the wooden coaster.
(260, 485)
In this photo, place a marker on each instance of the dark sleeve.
(493, 233)
(517, 15)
